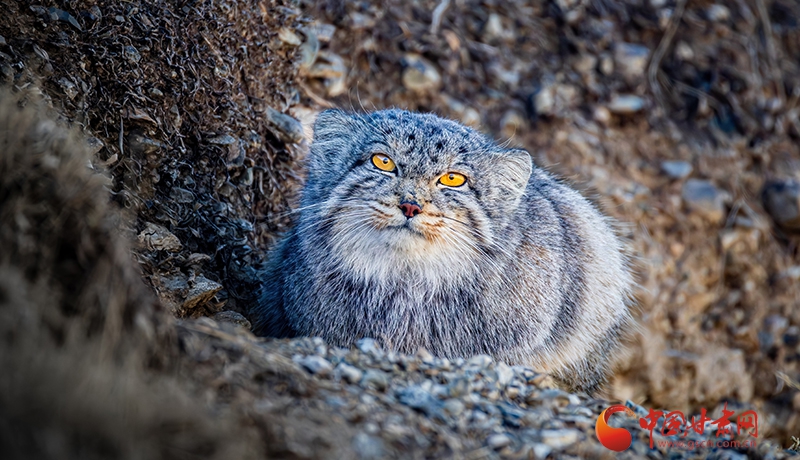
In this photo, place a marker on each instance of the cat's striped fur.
(514, 264)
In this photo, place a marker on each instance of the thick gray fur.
(514, 264)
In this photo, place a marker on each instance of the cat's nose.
(410, 208)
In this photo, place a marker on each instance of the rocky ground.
(680, 118)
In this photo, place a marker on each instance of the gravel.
(676, 169)
(705, 198)
(409, 406)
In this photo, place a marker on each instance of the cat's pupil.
(451, 177)
(385, 161)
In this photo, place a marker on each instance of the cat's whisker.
(299, 210)
(488, 257)
(460, 239)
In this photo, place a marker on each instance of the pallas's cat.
(420, 232)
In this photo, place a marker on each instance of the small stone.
(502, 73)
(498, 441)
(631, 60)
(225, 139)
(289, 129)
(559, 439)
(248, 177)
(201, 291)
(141, 145)
(601, 115)
(309, 51)
(69, 88)
(479, 361)
(425, 356)
(512, 124)
(541, 451)
(234, 318)
(323, 31)
(349, 373)
(226, 189)
(730, 454)
(776, 324)
(504, 374)
(554, 396)
(417, 397)
(330, 67)
(583, 142)
(514, 392)
(792, 336)
(676, 169)
(96, 13)
(703, 197)
(556, 99)
(782, 202)
(512, 414)
(493, 28)
(172, 292)
(368, 447)
(718, 13)
(575, 16)
(131, 54)
(360, 21)
(181, 195)
(196, 260)
(683, 51)
(287, 35)
(454, 407)
(376, 379)
(585, 63)
(606, 65)
(157, 238)
(453, 104)
(315, 364)
(420, 75)
(471, 117)
(370, 347)
(7, 73)
(572, 10)
(61, 15)
(565, 5)
(95, 145)
(371, 428)
(791, 273)
(625, 104)
(740, 240)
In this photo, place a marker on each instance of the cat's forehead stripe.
(425, 135)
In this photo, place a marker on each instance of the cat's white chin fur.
(404, 249)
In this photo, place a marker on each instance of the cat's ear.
(333, 123)
(516, 168)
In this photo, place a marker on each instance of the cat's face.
(392, 190)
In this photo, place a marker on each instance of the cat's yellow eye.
(453, 179)
(383, 162)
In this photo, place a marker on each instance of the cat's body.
(511, 263)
